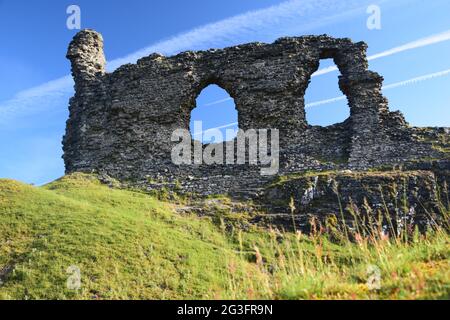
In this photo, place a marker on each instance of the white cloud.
(33, 100)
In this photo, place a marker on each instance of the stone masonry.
(121, 122)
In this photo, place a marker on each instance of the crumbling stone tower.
(121, 122)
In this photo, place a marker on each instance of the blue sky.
(35, 87)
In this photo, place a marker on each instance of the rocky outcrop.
(393, 198)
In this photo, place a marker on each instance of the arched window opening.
(325, 104)
(215, 119)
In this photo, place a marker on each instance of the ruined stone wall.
(121, 122)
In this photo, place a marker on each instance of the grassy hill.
(130, 245)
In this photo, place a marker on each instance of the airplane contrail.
(217, 102)
(216, 128)
(340, 98)
(423, 42)
(386, 87)
(326, 101)
(418, 79)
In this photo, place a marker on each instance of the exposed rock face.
(121, 123)
(399, 196)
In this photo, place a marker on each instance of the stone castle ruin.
(121, 122)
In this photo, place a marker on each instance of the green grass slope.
(129, 245)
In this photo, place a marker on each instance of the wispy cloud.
(423, 42)
(288, 18)
(33, 100)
